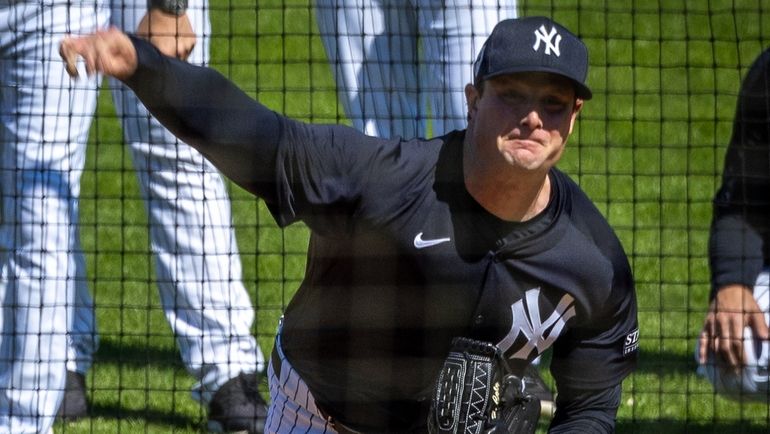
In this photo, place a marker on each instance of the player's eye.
(555, 105)
(514, 97)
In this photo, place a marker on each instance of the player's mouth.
(525, 143)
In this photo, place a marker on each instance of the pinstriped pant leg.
(43, 134)
(401, 66)
(197, 258)
(453, 32)
(292, 407)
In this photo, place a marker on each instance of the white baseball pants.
(401, 66)
(44, 122)
(196, 255)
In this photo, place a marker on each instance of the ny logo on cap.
(548, 39)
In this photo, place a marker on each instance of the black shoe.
(74, 404)
(535, 385)
(238, 407)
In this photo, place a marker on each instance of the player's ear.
(472, 96)
(575, 110)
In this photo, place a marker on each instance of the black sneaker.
(74, 404)
(535, 385)
(237, 407)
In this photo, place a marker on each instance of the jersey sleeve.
(592, 411)
(334, 178)
(600, 350)
(201, 107)
(322, 174)
(739, 245)
(735, 250)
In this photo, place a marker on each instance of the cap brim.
(581, 90)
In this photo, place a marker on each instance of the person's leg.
(193, 239)
(453, 32)
(43, 133)
(752, 382)
(83, 339)
(82, 342)
(372, 47)
(292, 405)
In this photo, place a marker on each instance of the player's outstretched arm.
(107, 51)
(198, 105)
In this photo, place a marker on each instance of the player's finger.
(706, 339)
(704, 346)
(183, 46)
(187, 51)
(105, 48)
(95, 63)
(758, 325)
(88, 53)
(724, 342)
(68, 50)
(734, 342)
(737, 355)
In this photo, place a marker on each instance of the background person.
(400, 65)
(733, 350)
(45, 122)
(197, 261)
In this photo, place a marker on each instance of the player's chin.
(523, 158)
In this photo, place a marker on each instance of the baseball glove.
(476, 393)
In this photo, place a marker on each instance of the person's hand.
(733, 309)
(172, 35)
(107, 51)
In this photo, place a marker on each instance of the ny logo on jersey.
(539, 335)
(547, 38)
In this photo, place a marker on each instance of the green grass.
(648, 149)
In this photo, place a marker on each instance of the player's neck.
(517, 200)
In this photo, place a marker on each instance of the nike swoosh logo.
(419, 243)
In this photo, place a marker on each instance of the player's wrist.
(173, 7)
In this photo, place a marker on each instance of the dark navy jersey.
(402, 259)
(740, 231)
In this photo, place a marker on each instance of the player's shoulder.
(587, 218)
(580, 206)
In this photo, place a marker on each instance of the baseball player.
(415, 242)
(400, 64)
(45, 121)
(733, 350)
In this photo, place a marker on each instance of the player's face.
(521, 120)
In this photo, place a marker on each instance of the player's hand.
(733, 308)
(107, 51)
(172, 35)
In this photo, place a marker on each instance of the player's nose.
(532, 119)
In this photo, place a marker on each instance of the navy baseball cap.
(533, 44)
